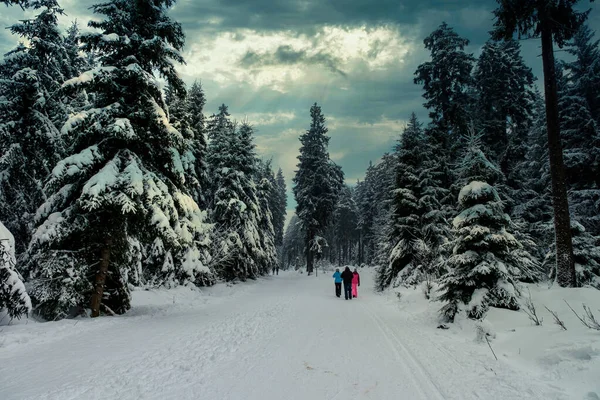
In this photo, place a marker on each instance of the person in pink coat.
(355, 283)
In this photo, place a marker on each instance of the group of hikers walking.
(351, 281)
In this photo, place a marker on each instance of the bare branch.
(531, 311)
(588, 320)
(557, 320)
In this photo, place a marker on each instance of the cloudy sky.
(269, 60)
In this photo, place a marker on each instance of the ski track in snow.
(286, 337)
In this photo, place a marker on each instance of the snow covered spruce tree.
(434, 214)
(72, 41)
(416, 228)
(534, 207)
(504, 102)
(318, 182)
(404, 226)
(280, 207)
(14, 299)
(266, 193)
(374, 215)
(580, 129)
(293, 244)
(186, 115)
(117, 209)
(197, 153)
(345, 226)
(447, 85)
(78, 63)
(487, 261)
(555, 21)
(365, 194)
(446, 80)
(30, 112)
(584, 70)
(219, 130)
(238, 246)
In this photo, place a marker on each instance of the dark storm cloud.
(306, 14)
(286, 55)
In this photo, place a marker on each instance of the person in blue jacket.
(338, 282)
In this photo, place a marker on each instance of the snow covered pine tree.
(186, 115)
(240, 250)
(318, 182)
(404, 237)
(30, 112)
(121, 188)
(446, 79)
(487, 260)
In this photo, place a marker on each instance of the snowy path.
(285, 337)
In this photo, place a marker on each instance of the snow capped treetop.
(446, 78)
(477, 192)
(138, 32)
(475, 165)
(318, 180)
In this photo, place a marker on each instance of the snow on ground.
(567, 362)
(289, 337)
(568, 358)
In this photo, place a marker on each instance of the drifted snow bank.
(569, 360)
(14, 300)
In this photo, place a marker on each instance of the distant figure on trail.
(277, 269)
(347, 276)
(355, 283)
(273, 270)
(338, 282)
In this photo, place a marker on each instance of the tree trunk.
(348, 252)
(345, 252)
(309, 255)
(101, 278)
(565, 267)
(360, 254)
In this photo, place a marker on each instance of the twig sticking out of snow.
(489, 344)
(531, 311)
(588, 320)
(557, 320)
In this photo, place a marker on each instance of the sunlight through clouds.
(278, 59)
(266, 118)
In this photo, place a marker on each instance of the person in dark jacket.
(347, 276)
